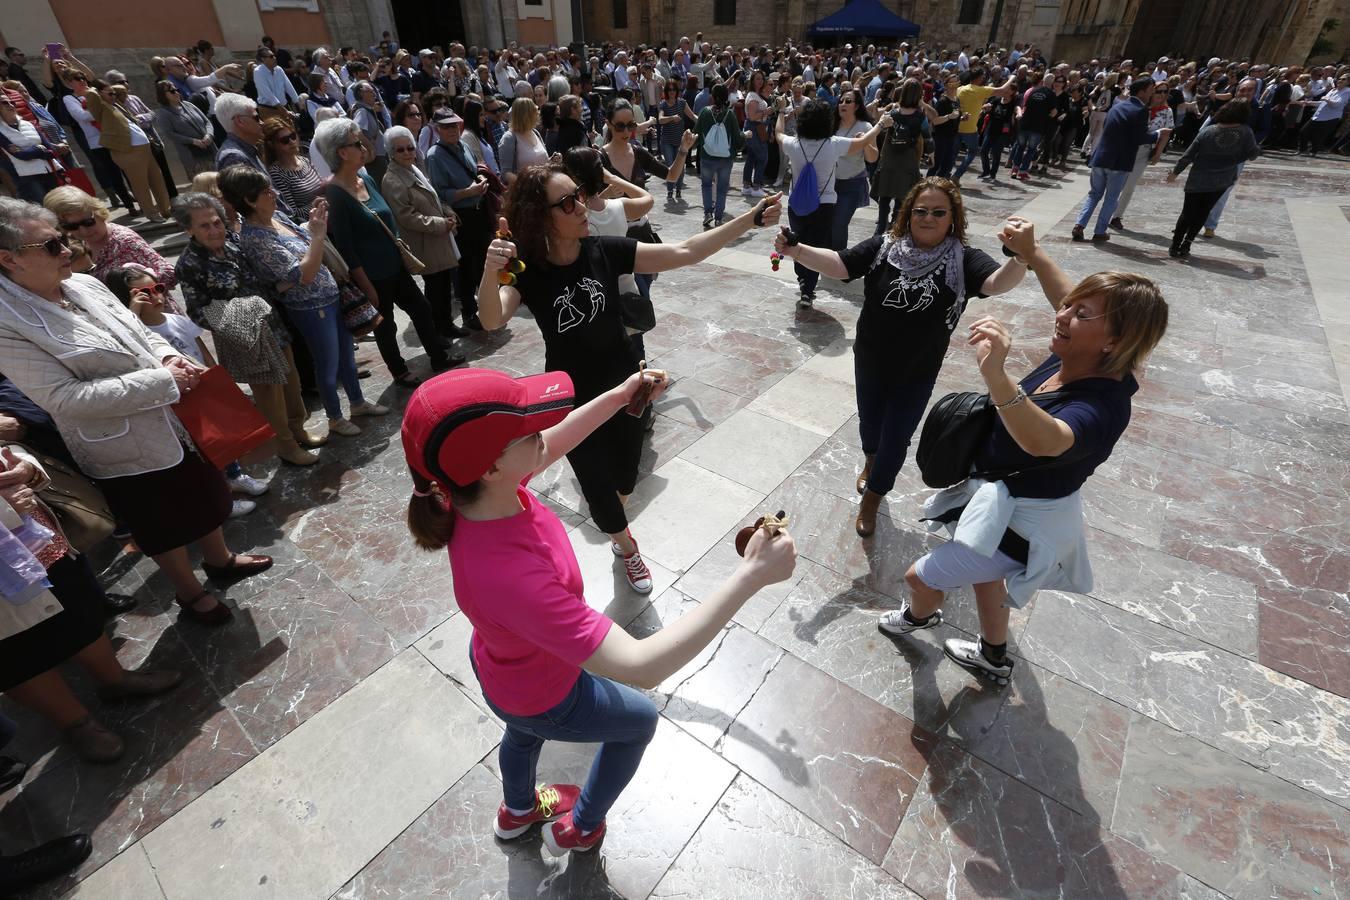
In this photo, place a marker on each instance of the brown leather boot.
(293, 453)
(866, 523)
(93, 742)
(866, 472)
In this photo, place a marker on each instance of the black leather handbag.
(957, 427)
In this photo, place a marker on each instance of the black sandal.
(234, 570)
(216, 615)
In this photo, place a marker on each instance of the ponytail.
(431, 514)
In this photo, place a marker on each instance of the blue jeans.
(622, 719)
(1105, 189)
(756, 158)
(670, 151)
(1024, 154)
(888, 416)
(1212, 220)
(971, 144)
(330, 344)
(852, 196)
(715, 171)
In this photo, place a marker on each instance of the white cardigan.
(100, 376)
(25, 137)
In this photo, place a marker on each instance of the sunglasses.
(156, 288)
(924, 213)
(569, 203)
(76, 226)
(289, 139)
(623, 126)
(53, 246)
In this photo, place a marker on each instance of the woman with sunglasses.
(71, 84)
(108, 382)
(673, 116)
(110, 245)
(186, 127)
(918, 278)
(296, 179)
(570, 283)
(850, 172)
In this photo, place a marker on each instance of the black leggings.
(816, 229)
(474, 234)
(440, 291)
(1194, 210)
(401, 291)
(606, 464)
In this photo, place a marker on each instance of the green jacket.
(706, 120)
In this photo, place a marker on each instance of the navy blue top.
(1097, 411)
(1125, 130)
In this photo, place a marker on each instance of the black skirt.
(170, 508)
(53, 641)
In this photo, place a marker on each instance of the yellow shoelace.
(548, 798)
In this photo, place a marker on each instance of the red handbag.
(223, 422)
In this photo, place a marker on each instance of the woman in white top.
(34, 162)
(850, 173)
(756, 136)
(521, 147)
(812, 217)
(607, 215)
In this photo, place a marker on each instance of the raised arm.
(497, 303)
(636, 201)
(653, 258)
(818, 259)
(861, 142)
(1035, 430)
(1018, 235)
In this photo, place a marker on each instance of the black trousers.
(440, 290)
(817, 229)
(1194, 210)
(402, 291)
(473, 236)
(606, 464)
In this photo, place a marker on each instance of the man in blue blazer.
(1112, 161)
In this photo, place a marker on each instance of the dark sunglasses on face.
(569, 203)
(75, 226)
(288, 138)
(923, 212)
(53, 246)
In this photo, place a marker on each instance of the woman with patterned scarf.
(917, 279)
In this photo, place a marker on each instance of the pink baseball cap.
(458, 423)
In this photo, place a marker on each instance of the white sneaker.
(894, 622)
(969, 656)
(242, 508)
(344, 427)
(246, 484)
(366, 408)
(747, 191)
(755, 192)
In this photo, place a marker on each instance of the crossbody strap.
(1061, 460)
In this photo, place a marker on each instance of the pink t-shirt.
(519, 583)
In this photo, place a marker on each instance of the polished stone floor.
(1183, 731)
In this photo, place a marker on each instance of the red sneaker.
(563, 836)
(549, 803)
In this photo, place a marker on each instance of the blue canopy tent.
(864, 18)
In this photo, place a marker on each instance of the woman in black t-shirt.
(944, 130)
(917, 279)
(570, 285)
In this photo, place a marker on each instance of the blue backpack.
(806, 194)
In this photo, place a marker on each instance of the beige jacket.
(421, 217)
(16, 619)
(99, 375)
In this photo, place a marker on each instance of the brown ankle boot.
(293, 453)
(866, 472)
(93, 742)
(866, 523)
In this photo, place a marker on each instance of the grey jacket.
(181, 126)
(99, 375)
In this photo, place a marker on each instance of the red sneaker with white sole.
(639, 576)
(563, 836)
(549, 803)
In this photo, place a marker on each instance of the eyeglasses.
(623, 126)
(412, 114)
(569, 203)
(53, 246)
(171, 90)
(76, 226)
(924, 213)
(289, 138)
(253, 115)
(79, 77)
(405, 149)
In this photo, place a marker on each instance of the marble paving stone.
(607, 587)
(808, 400)
(681, 510)
(1131, 513)
(755, 845)
(1238, 829)
(1305, 633)
(753, 449)
(127, 876)
(1297, 731)
(973, 831)
(846, 762)
(447, 648)
(667, 440)
(290, 653)
(694, 403)
(718, 564)
(727, 373)
(295, 823)
(836, 464)
(1061, 739)
(1218, 608)
(1258, 554)
(668, 799)
(831, 624)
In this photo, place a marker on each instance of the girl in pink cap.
(550, 666)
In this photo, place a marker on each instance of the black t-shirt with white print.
(577, 310)
(904, 326)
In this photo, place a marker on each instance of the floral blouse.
(225, 296)
(126, 246)
(275, 257)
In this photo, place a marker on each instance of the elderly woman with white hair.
(364, 230)
(427, 225)
(109, 384)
